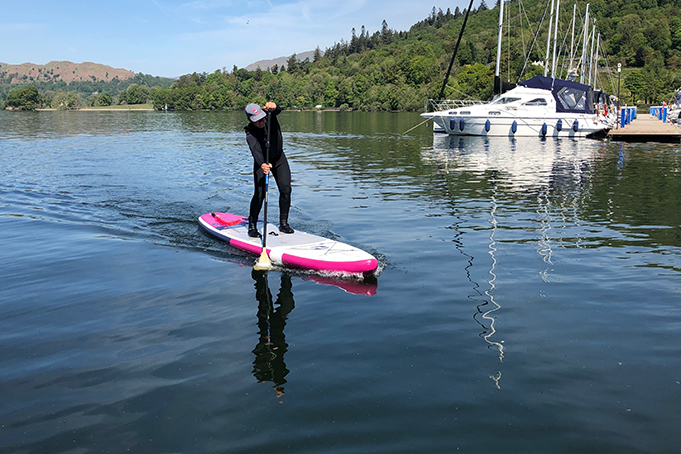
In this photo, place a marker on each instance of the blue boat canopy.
(570, 96)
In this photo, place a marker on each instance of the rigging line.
(456, 49)
(609, 71)
(563, 45)
(411, 129)
(465, 94)
(522, 11)
(527, 56)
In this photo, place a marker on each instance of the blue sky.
(170, 38)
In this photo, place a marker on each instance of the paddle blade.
(264, 263)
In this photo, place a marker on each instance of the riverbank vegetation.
(399, 70)
(75, 95)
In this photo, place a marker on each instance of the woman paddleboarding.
(257, 137)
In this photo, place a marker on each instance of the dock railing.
(627, 115)
(659, 112)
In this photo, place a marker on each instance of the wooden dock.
(647, 128)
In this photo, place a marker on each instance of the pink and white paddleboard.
(296, 250)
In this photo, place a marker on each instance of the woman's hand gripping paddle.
(264, 262)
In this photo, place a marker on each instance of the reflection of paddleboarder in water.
(269, 365)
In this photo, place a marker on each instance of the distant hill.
(265, 65)
(64, 71)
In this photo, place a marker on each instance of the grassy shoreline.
(123, 107)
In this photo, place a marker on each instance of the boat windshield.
(505, 100)
(572, 98)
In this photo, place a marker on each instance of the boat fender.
(544, 129)
(487, 125)
(514, 126)
(452, 124)
(559, 125)
(462, 123)
(575, 126)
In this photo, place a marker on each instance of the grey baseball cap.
(254, 112)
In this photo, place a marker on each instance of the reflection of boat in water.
(487, 308)
(522, 163)
(535, 183)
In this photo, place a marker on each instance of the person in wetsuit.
(256, 136)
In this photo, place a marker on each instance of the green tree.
(66, 101)
(635, 82)
(104, 99)
(659, 35)
(657, 79)
(137, 94)
(292, 64)
(24, 98)
(161, 98)
(330, 94)
(476, 81)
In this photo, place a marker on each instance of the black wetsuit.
(256, 138)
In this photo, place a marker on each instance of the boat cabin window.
(505, 100)
(536, 102)
(464, 113)
(572, 98)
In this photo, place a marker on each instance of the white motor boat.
(538, 107)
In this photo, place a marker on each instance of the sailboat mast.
(555, 39)
(582, 62)
(591, 57)
(598, 42)
(501, 21)
(572, 40)
(497, 73)
(548, 42)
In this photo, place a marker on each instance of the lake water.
(528, 299)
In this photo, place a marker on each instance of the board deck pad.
(296, 250)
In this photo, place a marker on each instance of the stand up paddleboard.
(296, 250)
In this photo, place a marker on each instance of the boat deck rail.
(437, 105)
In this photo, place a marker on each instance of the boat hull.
(574, 126)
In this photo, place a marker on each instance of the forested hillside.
(391, 70)
(400, 70)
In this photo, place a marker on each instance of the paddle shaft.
(267, 179)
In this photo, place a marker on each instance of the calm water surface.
(528, 299)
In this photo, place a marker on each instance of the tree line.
(62, 95)
(399, 70)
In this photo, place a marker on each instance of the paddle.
(264, 262)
